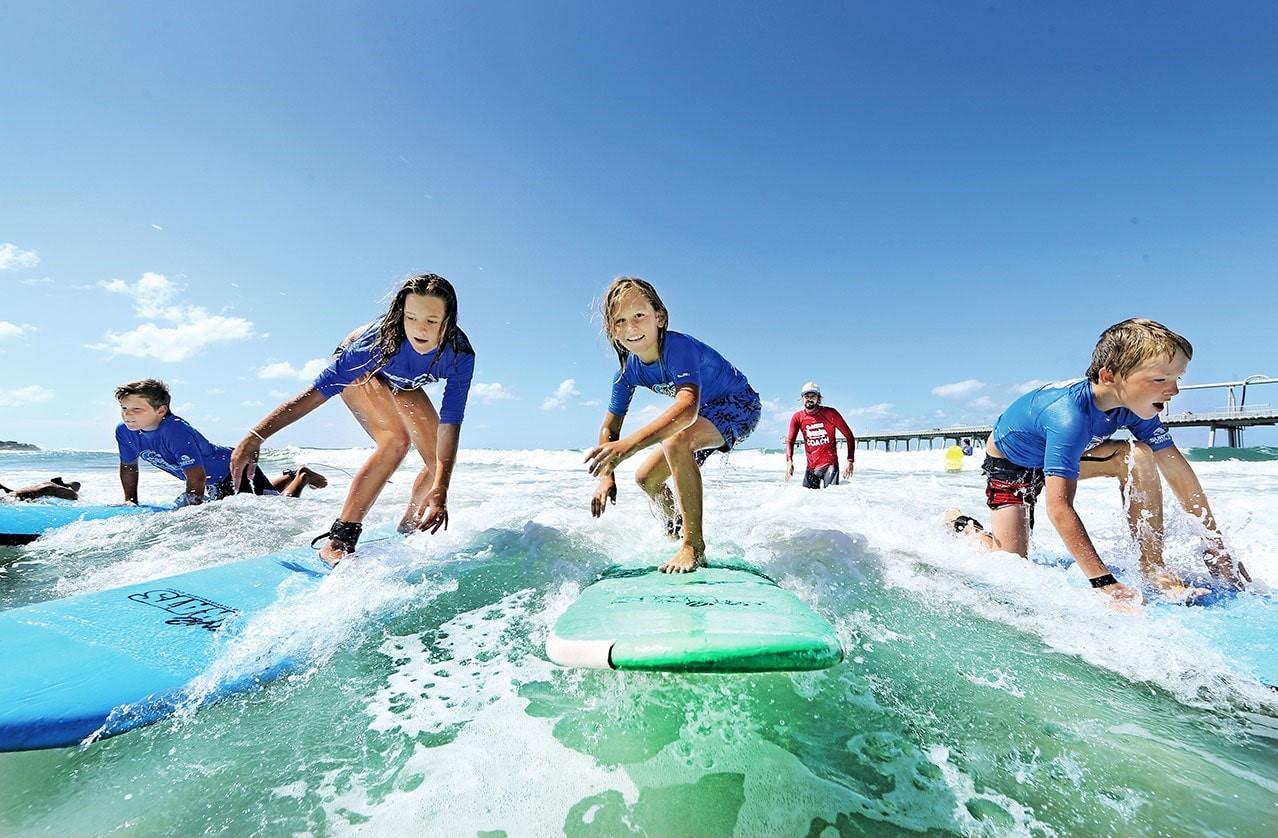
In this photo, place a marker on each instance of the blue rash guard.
(175, 446)
(407, 369)
(1051, 427)
(684, 360)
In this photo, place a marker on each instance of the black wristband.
(1103, 581)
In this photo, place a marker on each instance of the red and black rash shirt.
(818, 436)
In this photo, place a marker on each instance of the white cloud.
(44, 280)
(490, 393)
(1026, 386)
(25, 395)
(13, 258)
(175, 343)
(776, 415)
(152, 294)
(959, 389)
(566, 390)
(13, 330)
(983, 403)
(877, 411)
(283, 369)
(154, 298)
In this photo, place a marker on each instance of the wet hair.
(1125, 346)
(390, 329)
(616, 289)
(155, 391)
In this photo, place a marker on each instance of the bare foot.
(333, 552)
(1177, 591)
(955, 521)
(313, 478)
(686, 560)
(411, 521)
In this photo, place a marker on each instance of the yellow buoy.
(953, 458)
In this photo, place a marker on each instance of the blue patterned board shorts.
(736, 417)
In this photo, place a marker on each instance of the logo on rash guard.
(154, 458)
(816, 435)
(186, 460)
(665, 388)
(1160, 436)
(402, 383)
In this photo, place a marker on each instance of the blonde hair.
(153, 390)
(1125, 346)
(616, 288)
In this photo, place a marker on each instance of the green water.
(1257, 454)
(940, 721)
(978, 696)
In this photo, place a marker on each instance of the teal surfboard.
(110, 661)
(718, 619)
(22, 523)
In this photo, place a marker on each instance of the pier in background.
(1233, 419)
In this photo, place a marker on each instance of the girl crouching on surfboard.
(714, 409)
(379, 370)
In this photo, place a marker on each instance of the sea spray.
(981, 694)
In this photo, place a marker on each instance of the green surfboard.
(718, 619)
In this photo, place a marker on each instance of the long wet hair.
(616, 289)
(390, 330)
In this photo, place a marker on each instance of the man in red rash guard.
(819, 424)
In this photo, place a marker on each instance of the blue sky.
(921, 206)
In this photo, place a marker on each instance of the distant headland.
(10, 445)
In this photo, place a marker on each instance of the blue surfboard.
(1243, 626)
(103, 663)
(22, 523)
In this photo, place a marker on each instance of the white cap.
(810, 387)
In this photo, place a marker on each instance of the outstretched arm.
(246, 452)
(1059, 493)
(605, 457)
(446, 445)
(196, 480)
(1185, 485)
(606, 492)
(129, 482)
(842, 427)
(789, 446)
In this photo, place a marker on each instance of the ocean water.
(981, 695)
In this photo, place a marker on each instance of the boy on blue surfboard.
(1054, 436)
(150, 431)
